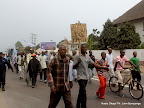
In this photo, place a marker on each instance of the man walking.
(33, 68)
(43, 60)
(21, 60)
(136, 71)
(91, 67)
(73, 56)
(81, 63)
(120, 68)
(29, 57)
(58, 79)
(3, 63)
(109, 58)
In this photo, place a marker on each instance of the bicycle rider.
(120, 68)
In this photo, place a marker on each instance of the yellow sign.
(79, 31)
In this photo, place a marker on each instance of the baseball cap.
(34, 55)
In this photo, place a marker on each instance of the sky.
(51, 19)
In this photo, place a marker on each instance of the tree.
(93, 38)
(18, 45)
(27, 49)
(127, 37)
(38, 46)
(108, 35)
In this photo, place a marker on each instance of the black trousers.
(82, 98)
(2, 77)
(55, 98)
(34, 77)
(136, 75)
(41, 74)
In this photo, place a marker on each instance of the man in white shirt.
(37, 56)
(43, 64)
(52, 56)
(29, 56)
(72, 71)
(109, 58)
(21, 60)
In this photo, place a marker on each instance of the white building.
(74, 45)
(136, 16)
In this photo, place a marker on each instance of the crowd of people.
(61, 69)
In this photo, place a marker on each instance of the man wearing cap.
(33, 68)
(3, 63)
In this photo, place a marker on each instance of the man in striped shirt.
(58, 79)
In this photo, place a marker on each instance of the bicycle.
(134, 92)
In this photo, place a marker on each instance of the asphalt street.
(19, 95)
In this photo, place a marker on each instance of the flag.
(14, 55)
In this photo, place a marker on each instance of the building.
(74, 45)
(136, 16)
(71, 45)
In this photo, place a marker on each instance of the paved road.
(19, 95)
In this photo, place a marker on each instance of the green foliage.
(108, 35)
(18, 45)
(123, 38)
(38, 46)
(93, 38)
(27, 49)
(127, 38)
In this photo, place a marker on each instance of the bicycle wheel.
(113, 84)
(134, 91)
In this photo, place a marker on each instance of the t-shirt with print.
(122, 60)
(102, 72)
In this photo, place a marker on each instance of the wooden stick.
(79, 48)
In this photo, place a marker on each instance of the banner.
(48, 45)
(29, 44)
(14, 55)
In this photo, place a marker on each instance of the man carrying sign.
(81, 63)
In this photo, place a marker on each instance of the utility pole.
(33, 37)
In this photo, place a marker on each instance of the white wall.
(128, 53)
(139, 27)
